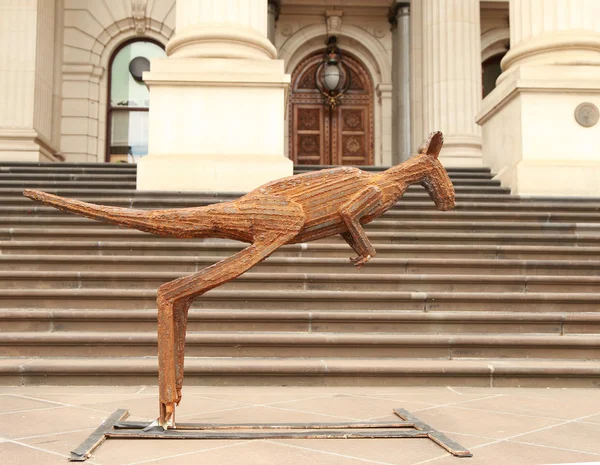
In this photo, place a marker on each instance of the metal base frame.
(411, 427)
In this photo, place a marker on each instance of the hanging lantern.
(332, 75)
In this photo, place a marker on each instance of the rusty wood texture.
(295, 209)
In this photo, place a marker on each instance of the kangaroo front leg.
(350, 241)
(351, 212)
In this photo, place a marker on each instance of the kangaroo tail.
(137, 219)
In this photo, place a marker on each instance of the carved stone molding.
(138, 12)
(334, 22)
(396, 10)
(287, 30)
(379, 33)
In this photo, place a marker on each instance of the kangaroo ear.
(434, 144)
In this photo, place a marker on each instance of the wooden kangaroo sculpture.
(295, 209)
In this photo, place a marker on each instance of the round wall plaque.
(587, 114)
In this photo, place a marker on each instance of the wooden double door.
(321, 135)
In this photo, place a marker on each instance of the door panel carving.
(309, 136)
(320, 135)
(353, 136)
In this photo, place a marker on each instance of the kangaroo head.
(436, 181)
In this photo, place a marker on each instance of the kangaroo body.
(295, 209)
(316, 199)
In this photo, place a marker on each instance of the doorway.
(321, 135)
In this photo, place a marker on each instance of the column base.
(461, 151)
(25, 145)
(210, 173)
(553, 178)
(215, 125)
(531, 138)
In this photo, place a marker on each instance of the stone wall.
(28, 79)
(93, 29)
(365, 33)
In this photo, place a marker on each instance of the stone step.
(387, 224)
(141, 299)
(415, 201)
(133, 166)
(61, 177)
(339, 282)
(108, 183)
(298, 344)
(277, 264)
(453, 173)
(32, 211)
(186, 248)
(61, 165)
(453, 297)
(111, 233)
(315, 321)
(304, 371)
(127, 179)
(381, 168)
(418, 201)
(99, 169)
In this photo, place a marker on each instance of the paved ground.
(40, 425)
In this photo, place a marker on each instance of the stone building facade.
(228, 104)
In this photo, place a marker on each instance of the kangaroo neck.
(397, 178)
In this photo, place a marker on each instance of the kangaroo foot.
(360, 261)
(167, 415)
(166, 419)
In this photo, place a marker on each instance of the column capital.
(396, 10)
(274, 7)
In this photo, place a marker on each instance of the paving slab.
(42, 424)
(19, 454)
(14, 403)
(510, 453)
(569, 436)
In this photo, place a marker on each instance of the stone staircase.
(503, 291)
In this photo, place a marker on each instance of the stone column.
(416, 74)
(401, 142)
(452, 77)
(383, 120)
(540, 127)
(216, 102)
(273, 12)
(27, 61)
(553, 32)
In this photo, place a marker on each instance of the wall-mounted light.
(137, 66)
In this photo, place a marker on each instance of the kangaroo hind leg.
(174, 299)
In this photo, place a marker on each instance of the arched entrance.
(320, 135)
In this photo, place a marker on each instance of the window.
(129, 99)
(491, 70)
